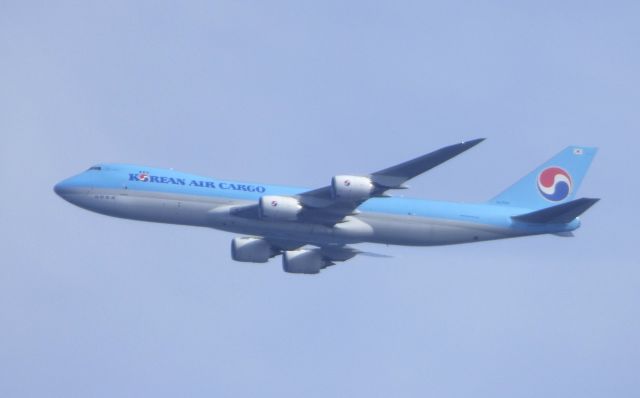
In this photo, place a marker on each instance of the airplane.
(315, 228)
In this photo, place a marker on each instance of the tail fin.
(554, 182)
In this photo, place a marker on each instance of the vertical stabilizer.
(553, 183)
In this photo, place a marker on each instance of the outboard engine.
(304, 261)
(251, 250)
(352, 188)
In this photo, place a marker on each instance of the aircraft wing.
(321, 205)
(330, 205)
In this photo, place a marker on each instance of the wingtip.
(473, 142)
(375, 255)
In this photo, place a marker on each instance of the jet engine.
(251, 250)
(303, 261)
(283, 208)
(352, 187)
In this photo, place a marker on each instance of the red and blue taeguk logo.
(143, 176)
(554, 183)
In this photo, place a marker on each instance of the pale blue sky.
(293, 93)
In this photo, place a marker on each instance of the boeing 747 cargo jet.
(313, 229)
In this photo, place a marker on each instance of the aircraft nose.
(62, 188)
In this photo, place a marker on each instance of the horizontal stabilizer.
(559, 214)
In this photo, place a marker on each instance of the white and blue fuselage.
(283, 220)
(168, 196)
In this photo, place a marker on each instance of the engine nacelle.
(303, 261)
(352, 187)
(283, 208)
(251, 250)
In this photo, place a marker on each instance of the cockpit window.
(95, 168)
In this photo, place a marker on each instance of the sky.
(294, 92)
